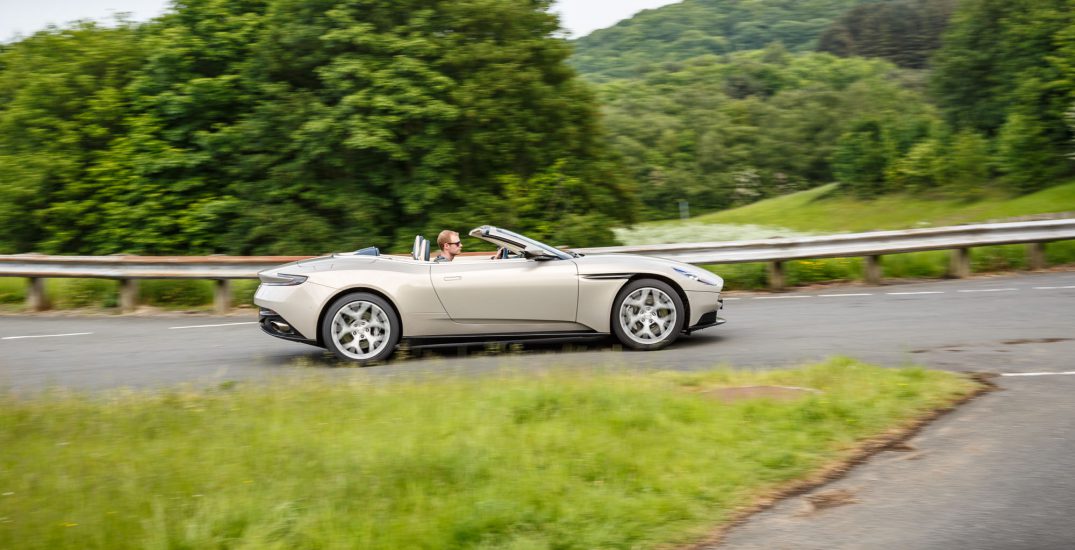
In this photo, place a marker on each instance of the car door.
(508, 290)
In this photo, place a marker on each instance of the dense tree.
(296, 126)
(905, 32)
(718, 132)
(62, 105)
(677, 32)
(1005, 71)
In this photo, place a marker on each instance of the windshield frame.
(514, 241)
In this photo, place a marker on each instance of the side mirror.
(537, 253)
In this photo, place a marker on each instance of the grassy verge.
(565, 460)
(925, 265)
(818, 210)
(104, 293)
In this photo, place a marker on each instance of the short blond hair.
(445, 237)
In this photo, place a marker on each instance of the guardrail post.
(873, 270)
(1035, 255)
(36, 299)
(959, 266)
(776, 275)
(222, 296)
(128, 295)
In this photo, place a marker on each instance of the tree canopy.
(291, 126)
(681, 31)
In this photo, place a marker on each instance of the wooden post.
(128, 295)
(36, 299)
(222, 297)
(776, 275)
(960, 263)
(873, 270)
(1035, 255)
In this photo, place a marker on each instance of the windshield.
(514, 241)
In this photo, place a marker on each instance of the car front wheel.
(361, 327)
(647, 315)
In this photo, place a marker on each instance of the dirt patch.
(894, 439)
(740, 393)
(827, 499)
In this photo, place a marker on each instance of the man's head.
(449, 243)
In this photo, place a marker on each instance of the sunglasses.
(455, 243)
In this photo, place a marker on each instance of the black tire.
(373, 324)
(659, 303)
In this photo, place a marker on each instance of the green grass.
(562, 460)
(819, 210)
(166, 294)
(917, 265)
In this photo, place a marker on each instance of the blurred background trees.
(297, 126)
(301, 126)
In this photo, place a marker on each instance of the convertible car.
(361, 305)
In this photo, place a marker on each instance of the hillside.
(818, 210)
(699, 27)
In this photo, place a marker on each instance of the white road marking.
(915, 293)
(779, 297)
(45, 335)
(989, 290)
(219, 325)
(728, 299)
(841, 295)
(1036, 373)
(1052, 287)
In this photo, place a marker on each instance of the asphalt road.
(997, 473)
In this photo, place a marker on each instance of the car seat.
(420, 250)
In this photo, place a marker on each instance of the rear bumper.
(273, 324)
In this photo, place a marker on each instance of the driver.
(449, 244)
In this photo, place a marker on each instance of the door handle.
(453, 278)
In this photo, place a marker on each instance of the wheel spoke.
(648, 315)
(361, 329)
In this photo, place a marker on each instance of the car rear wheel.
(647, 315)
(361, 327)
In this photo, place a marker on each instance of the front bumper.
(704, 308)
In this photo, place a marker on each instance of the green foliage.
(566, 460)
(288, 127)
(719, 132)
(966, 164)
(62, 103)
(905, 32)
(82, 293)
(1024, 155)
(660, 39)
(175, 293)
(1005, 71)
(859, 159)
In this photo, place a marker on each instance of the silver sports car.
(361, 305)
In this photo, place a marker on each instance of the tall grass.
(582, 460)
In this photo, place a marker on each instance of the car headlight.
(695, 276)
(282, 279)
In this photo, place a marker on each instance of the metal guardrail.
(872, 246)
(853, 244)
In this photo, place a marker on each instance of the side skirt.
(425, 342)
